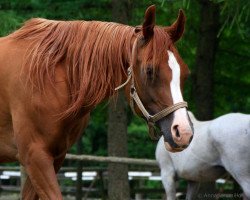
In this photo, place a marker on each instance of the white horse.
(219, 145)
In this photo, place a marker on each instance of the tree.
(205, 59)
(204, 68)
(118, 186)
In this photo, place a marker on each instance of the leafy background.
(232, 74)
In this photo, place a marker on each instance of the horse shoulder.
(36, 116)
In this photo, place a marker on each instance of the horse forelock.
(92, 53)
(156, 49)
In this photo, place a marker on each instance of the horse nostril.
(190, 140)
(177, 133)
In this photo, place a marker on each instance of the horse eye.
(149, 72)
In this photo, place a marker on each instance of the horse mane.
(93, 53)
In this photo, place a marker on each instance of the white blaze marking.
(175, 82)
(180, 114)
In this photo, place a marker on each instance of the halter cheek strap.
(151, 119)
(134, 98)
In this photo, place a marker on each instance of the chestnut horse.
(54, 73)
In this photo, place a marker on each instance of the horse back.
(231, 137)
(233, 128)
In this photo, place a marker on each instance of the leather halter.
(134, 98)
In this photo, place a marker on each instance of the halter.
(134, 98)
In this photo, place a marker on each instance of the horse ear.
(176, 30)
(149, 22)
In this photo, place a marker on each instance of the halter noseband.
(134, 97)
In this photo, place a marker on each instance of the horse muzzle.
(177, 134)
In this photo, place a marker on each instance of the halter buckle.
(129, 70)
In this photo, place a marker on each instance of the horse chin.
(172, 149)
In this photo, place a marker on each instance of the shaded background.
(215, 46)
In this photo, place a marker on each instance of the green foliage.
(235, 14)
(232, 74)
(139, 143)
(9, 22)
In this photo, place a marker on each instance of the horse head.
(156, 80)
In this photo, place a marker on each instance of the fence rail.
(101, 159)
(113, 159)
(134, 163)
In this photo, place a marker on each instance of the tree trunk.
(205, 59)
(118, 185)
(204, 71)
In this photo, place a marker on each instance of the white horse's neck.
(195, 121)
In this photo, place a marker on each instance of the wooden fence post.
(23, 179)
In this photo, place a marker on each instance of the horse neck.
(110, 58)
(128, 55)
(198, 123)
(95, 56)
(127, 59)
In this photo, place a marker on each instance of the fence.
(99, 173)
(150, 166)
(129, 161)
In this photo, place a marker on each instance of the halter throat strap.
(156, 117)
(152, 119)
